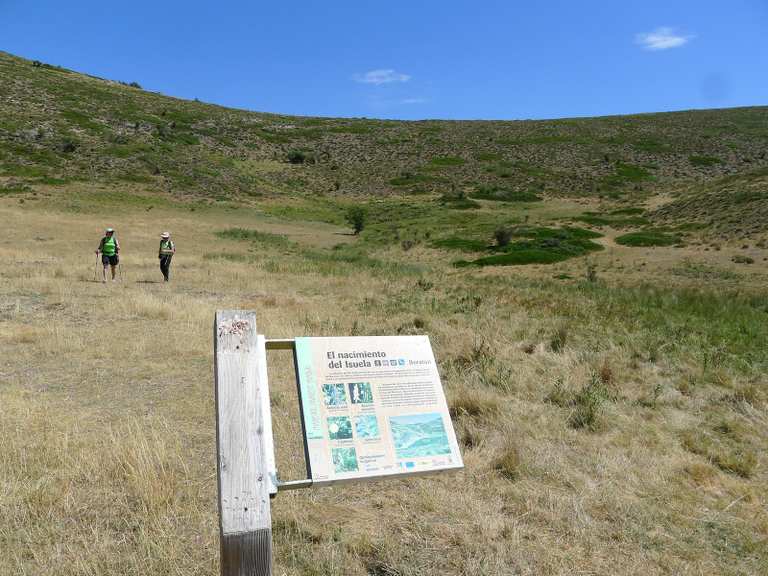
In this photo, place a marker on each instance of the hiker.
(109, 248)
(167, 250)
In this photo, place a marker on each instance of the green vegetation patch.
(650, 237)
(652, 145)
(504, 195)
(631, 211)
(83, 121)
(447, 161)
(626, 174)
(538, 245)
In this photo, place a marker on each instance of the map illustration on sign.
(373, 407)
(419, 435)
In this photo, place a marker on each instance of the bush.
(67, 145)
(300, 157)
(356, 217)
(739, 259)
(502, 235)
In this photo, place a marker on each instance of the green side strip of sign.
(310, 396)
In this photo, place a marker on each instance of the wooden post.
(244, 446)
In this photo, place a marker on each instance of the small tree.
(296, 157)
(502, 235)
(356, 217)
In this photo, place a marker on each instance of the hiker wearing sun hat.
(167, 250)
(109, 248)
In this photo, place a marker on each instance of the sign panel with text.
(373, 407)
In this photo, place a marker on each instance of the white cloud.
(662, 38)
(381, 76)
(413, 101)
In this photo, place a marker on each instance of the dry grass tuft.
(509, 461)
(473, 402)
(559, 339)
(728, 454)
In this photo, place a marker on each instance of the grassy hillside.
(611, 423)
(595, 292)
(58, 126)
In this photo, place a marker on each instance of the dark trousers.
(165, 266)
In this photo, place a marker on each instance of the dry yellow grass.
(107, 433)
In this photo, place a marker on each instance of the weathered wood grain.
(244, 450)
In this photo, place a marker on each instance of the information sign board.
(373, 407)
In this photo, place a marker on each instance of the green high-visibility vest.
(108, 246)
(166, 247)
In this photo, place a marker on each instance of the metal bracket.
(290, 344)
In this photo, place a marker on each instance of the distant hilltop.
(59, 126)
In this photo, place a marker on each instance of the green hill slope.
(57, 126)
(733, 206)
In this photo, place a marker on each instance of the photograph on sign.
(372, 407)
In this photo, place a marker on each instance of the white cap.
(165, 235)
(110, 230)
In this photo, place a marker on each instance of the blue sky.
(417, 59)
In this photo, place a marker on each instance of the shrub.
(68, 145)
(297, 157)
(135, 85)
(739, 259)
(502, 235)
(356, 217)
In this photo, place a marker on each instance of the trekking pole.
(120, 269)
(96, 269)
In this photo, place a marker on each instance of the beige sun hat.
(165, 235)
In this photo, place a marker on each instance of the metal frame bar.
(290, 344)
